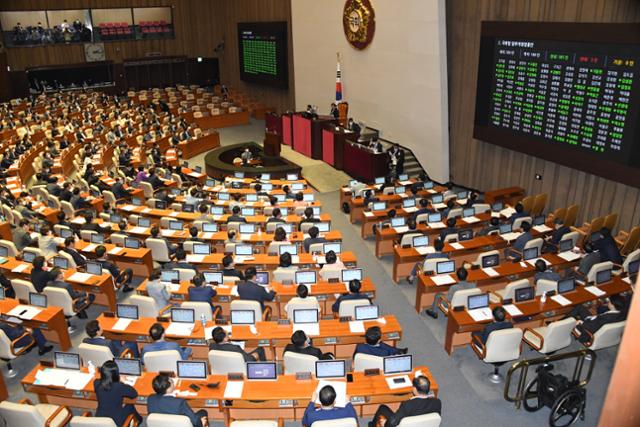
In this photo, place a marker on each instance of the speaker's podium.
(271, 146)
(307, 134)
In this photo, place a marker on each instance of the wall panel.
(485, 166)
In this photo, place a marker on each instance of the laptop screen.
(409, 203)
(28, 256)
(297, 186)
(445, 267)
(397, 364)
(136, 201)
(462, 194)
(496, 207)
(428, 185)
(4, 251)
(335, 247)
(288, 228)
(308, 197)
(530, 253)
(351, 274)
(261, 371)
(243, 317)
(183, 315)
(400, 190)
(247, 228)
(505, 228)
(97, 239)
(161, 204)
(144, 222)
(67, 360)
(262, 278)
(603, 276)
(291, 249)
(525, 294)
(94, 268)
(566, 285)
(265, 176)
(65, 232)
(193, 370)
(437, 198)
(539, 220)
(633, 267)
(1, 293)
(379, 180)
(129, 366)
(61, 262)
(465, 235)
(306, 316)
(366, 312)
(565, 245)
(280, 197)
(292, 176)
(403, 177)
(39, 300)
(490, 260)
(252, 198)
(330, 369)
(210, 182)
(248, 211)
(379, 206)
(175, 225)
(434, 217)
(398, 221)
(466, 213)
(224, 196)
(244, 250)
(127, 311)
(131, 243)
(201, 249)
(478, 301)
(269, 187)
(188, 208)
(217, 210)
(420, 241)
(306, 277)
(169, 275)
(238, 175)
(209, 227)
(323, 227)
(213, 277)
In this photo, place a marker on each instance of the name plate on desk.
(235, 376)
(303, 376)
(141, 338)
(211, 403)
(331, 340)
(142, 399)
(194, 341)
(358, 400)
(263, 343)
(393, 336)
(285, 403)
(80, 393)
(321, 297)
(224, 299)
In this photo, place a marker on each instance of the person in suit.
(542, 272)
(248, 289)
(47, 242)
(14, 332)
(499, 323)
(369, 197)
(39, 276)
(246, 156)
(276, 216)
(221, 343)
(560, 230)
(494, 225)
(353, 126)
(229, 268)
(193, 235)
(155, 180)
(425, 208)
(374, 346)
(65, 193)
(302, 344)
(90, 225)
(354, 293)
(302, 296)
(334, 112)
(327, 409)
(118, 189)
(78, 201)
(438, 246)
(462, 283)
(110, 393)
(159, 344)
(70, 248)
(615, 311)
(162, 403)
(123, 276)
(607, 247)
(200, 293)
(519, 243)
(95, 337)
(519, 213)
(82, 300)
(375, 145)
(235, 215)
(22, 236)
(420, 404)
(591, 258)
(180, 261)
(451, 229)
(155, 233)
(451, 204)
(313, 238)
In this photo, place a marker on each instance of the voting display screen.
(263, 53)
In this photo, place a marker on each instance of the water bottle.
(203, 320)
(543, 298)
(91, 367)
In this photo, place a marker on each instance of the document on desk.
(195, 258)
(457, 246)
(25, 312)
(495, 214)
(173, 287)
(542, 228)
(439, 206)
(368, 214)
(507, 212)
(138, 230)
(595, 290)
(513, 310)
(356, 327)
(91, 247)
(436, 225)
(471, 219)
(423, 250)
(295, 259)
(77, 380)
(560, 299)
(80, 277)
(443, 279)
(180, 329)
(480, 314)
(128, 207)
(340, 388)
(146, 210)
(234, 389)
(310, 329)
(407, 182)
(400, 381)
(207, 235)
(121, 324)
(569, 256)
(115, 251)
(167, 233)
(234, 291)
(402, 229)
(510, 236)
(174, 214)
(410, 210)
(20, 268)
(490, 271)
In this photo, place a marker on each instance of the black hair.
(540, 265)
(438, 245)
(218, 334)
(109, 374)
(526, 226)
(227, 261)
(499, 314)
(180, 254)
(38, 262)
(302, 291)
(299, 338)
(462, 273)
(313, 232)
(327, 395)
(250, 273)
(451, 222)
(422, 384)
(161, 383)
(100, 251)
(285, 260)
(354, 286)
(519, 207)
(156, 331)
(198, 280)
(373, 335)
(330, 257)
(91, 328)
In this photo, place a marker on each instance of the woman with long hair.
(111, 394)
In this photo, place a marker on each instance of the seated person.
(159, 344)
(519, 213)
(197, 292)
(47, 242)
(229, 268)
(462, 283)
(499, 322)
(438, 246)
(155, 233)
(14, 332)
(451, 205)
(607, 247)
(420, 404)
(249, 289)
(193, 235)
(308, 216)
(162, 403)
(425, 208)
(542, 272)
(95, 337)
(158, 290)
(81, 300)
(313, 238)
(374, 345)
(369, 197)
(616, 311)
(332, 263)
(519, 243)
(302, 293)
(180, 261)
(302, 344)
(123, 276)
(40, 276)
(591, 258)
(560, 230)
(280, 235)
(22, 236)
(451, 229)
(299, 200)
(276, 216)
(221, 343)
(235, 215)
(70, 248)
(327, 409)
(285, 263)
(354, 293)
(494, 225)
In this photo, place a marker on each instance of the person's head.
(156, 331)
(277, 213)
(373, 335)
(203, 208)
(308, 212)
(391, 213)
(494, 221)
(618, 302)
(155, 231)
(286, 189)
(38, 262)
(197, 280)
(162, 384)
(24, 224)
(231, 234)
(285, 260)
(69, 242)
(330, 257)
(327, 396)
(354, 286)
(421, 385)
(302, 291)
(299, 338)
(193, 231)
(180, 254)
(519, 207)
(280, 235)
(61, 216)
(313, 232)
(250, 273)
(438, 245)
(235, 210)
(499, 314)
(451, 222)
(92, 328)
(473, 196)
(450, 204)
(526, 226)
(424, 203)
(218, 334)
(155, 274)
(109, 374)
(605, 232)
(541, 266)
(462, 273)
(588, 247)
(88, 217)
(412, 224)
(558, 223)
(299, 197)
(100, 251)
(227, 261)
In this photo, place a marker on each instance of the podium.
(333, 141)
(271, 144)
(362, 164)
(307, 134)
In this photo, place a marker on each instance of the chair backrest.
(407, 239)
(199, 308)
(595, 225)
(235, 225)
(224, 362)
(254, 423)
(517, 223)
(18, 414)
(147, 189)
(86, 234)
(67, 208)
(166, 420)
(560, 213)
(12, 251)
(539, 203)
(503, 345)
(301, 304)
(5, 347)
(430, 264)
(22, 288)
(68, 257)
(535, 243)
(164, 360)
(453, 213)
(305, 226)
(610, 221)
(60, 298)
(422, 218)
(240, 304)
(543, 286)
(632, 242)
(342, 422)
(574, 236)
(146, 305)
(35, 251)
(282, 275)
(186, 274)
(482, 255)
(316, 247)
(118, 239)
(460, 297)
(97, 354)
(165, 220)
(558, 335)
(348, 307)
(480, 208)
(633, 256)
(510, 289)
(608, 335)
(362, 361)
(572, 215)
(527, 203)
(427, 420)
(596, 268)
(296, 362)
(159, 250)
(79, 421)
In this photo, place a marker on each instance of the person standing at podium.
(246, 156)
(335, 113)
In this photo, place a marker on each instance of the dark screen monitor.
(539, 220)
(497, 207)
(176, 225)
(465, 235)
(603, 276)
(161, 204)
(525, 294)
(565, 245)
(437, 198)
(65, 232)
(262, 278)
(144, 222)
(262, 371)
(490, 260)
(566, 285)
(505, 228)
(530, 253)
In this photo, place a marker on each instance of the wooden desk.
(193, 147)
(270, 262)
(509, 195)
(139, 260)
(362, 164)
(460, 325)
(50, 321)
(284, 399)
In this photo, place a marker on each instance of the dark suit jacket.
(380, 350)
(556, 237)
(115, 347)
(254, 292)
(336, 305)
(233, 272)
(236, 218)
(608, 250)
(592, 325)
(310, 350)
(179, 264)
(202, 294)
(110, 402)
(309, 241)
(517, 215)
(163, 404)
(445, 232)
(232, 348)
(78, 258)
(413, 407)
(155, 182)
(494, 326)
(40, 278)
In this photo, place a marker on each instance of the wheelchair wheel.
(567, 408)
(531, 400)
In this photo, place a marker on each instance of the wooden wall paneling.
(480, 165)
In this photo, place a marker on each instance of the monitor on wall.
(563, 92)
(263, 53)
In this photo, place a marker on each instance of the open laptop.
(183, 315)
(445, 267)
(566, 285)
(94, 268)
(351, 274)
(169, 276)
(306, 277)
(330, 369)
(336, 247)
(398, 364)
(262, 371)
(201, 249)
(603, 277)
(366, 312)
(127, 311)
(37, 300)
(490, 260)
(243, 317)
(306, 315)
(213, 277)
(525, 294)
(193, 370)
(61, 262)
